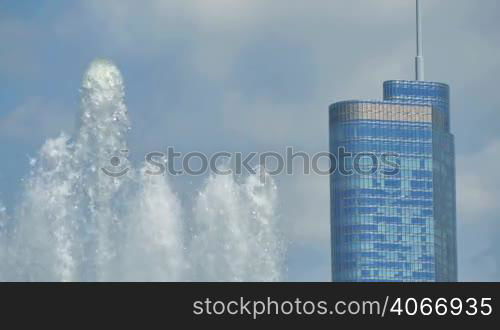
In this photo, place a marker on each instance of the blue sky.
(258, 75)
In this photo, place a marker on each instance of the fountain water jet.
(154, 239)
(235, 235)
(76, 223)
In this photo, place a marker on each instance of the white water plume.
(154, 238)
(77, 223)
(234, 232)
(46, 217)
(102, 134)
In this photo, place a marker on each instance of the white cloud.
(36, 120)
(478, 196)
(305, 208)
(478, 184)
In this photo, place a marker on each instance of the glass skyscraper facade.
(399, 226)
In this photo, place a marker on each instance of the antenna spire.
(419, 60)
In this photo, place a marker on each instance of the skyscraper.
(399, 227)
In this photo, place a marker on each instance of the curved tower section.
(395, 226)
(420, 92)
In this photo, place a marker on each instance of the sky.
(258, 75)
